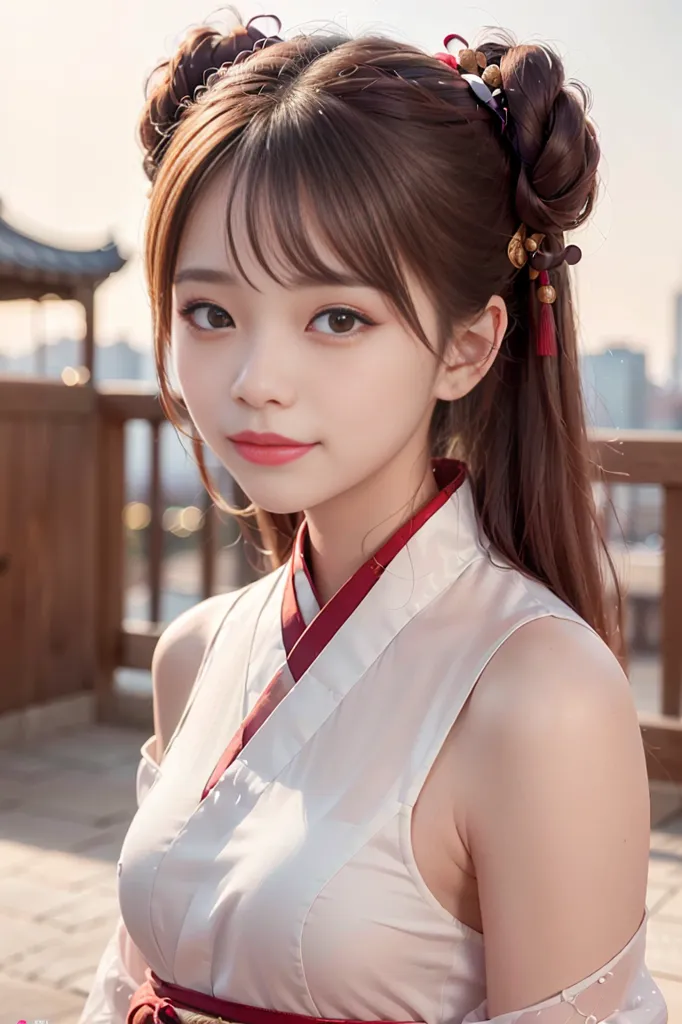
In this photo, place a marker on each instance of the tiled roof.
(21, 252)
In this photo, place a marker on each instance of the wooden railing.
(655, 457)
(127, 644)
(48, 583)
(632, 457)
(121, 646)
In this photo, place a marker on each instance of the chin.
(276, 504)
(288, 489)
(276, 496)
(297, 493)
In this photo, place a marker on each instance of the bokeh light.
(137, 515)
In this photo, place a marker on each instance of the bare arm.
(557, 813)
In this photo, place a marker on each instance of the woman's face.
(329, 367)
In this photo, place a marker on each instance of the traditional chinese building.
(33, 269)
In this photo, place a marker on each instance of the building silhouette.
(615, 386)
(677, 345)
(119, 361)
(619, 396)
(33, 269)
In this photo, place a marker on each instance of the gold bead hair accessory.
(525, 248)
(475, 62)
(484, 80)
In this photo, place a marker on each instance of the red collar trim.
(302, 643)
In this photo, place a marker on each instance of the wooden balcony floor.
(64, 809)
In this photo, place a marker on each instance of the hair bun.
(554, 139)
(172, 85)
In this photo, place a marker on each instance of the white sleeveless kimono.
(292, 885)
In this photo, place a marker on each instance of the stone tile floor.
(64, 809)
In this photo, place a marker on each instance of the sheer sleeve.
(121, 969)
(621, 992)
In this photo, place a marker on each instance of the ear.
(471, 351)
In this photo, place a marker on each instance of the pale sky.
(71, 81)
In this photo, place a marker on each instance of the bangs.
(303, 180)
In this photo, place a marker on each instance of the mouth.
(268, 449)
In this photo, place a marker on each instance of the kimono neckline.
(302, 640)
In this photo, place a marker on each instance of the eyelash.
(191, 307)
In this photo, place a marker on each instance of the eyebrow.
(209, 275)
(204, 274)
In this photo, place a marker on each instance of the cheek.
(199, 385)
(388, 390)
(182, 364)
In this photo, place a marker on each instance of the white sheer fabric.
(624, 982)
(122, 968)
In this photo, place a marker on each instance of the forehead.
(293, 234)
(205, 236)
(204, 230)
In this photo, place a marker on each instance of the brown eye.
(217, 317)
(340, 321)
(208, 317)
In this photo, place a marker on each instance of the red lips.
(276, 440)
(268, 449)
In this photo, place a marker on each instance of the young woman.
(408, 782)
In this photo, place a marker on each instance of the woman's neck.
(347, 530)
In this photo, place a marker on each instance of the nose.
(265, 376)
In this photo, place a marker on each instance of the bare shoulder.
(550, 672)
(551, 696)
(177, 657)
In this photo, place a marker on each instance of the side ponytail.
(523, 429)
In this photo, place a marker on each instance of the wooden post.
(207, 541)
(111, 547)
(38, 338)
(86, 297)
(155, 549)
(671, 610)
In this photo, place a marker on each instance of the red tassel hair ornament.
(526, 249)
(545, 340)
(541, 264)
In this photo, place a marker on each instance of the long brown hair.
(401, 168)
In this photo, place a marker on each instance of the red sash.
(156, 1002)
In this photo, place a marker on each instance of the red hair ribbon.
(449, 58)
